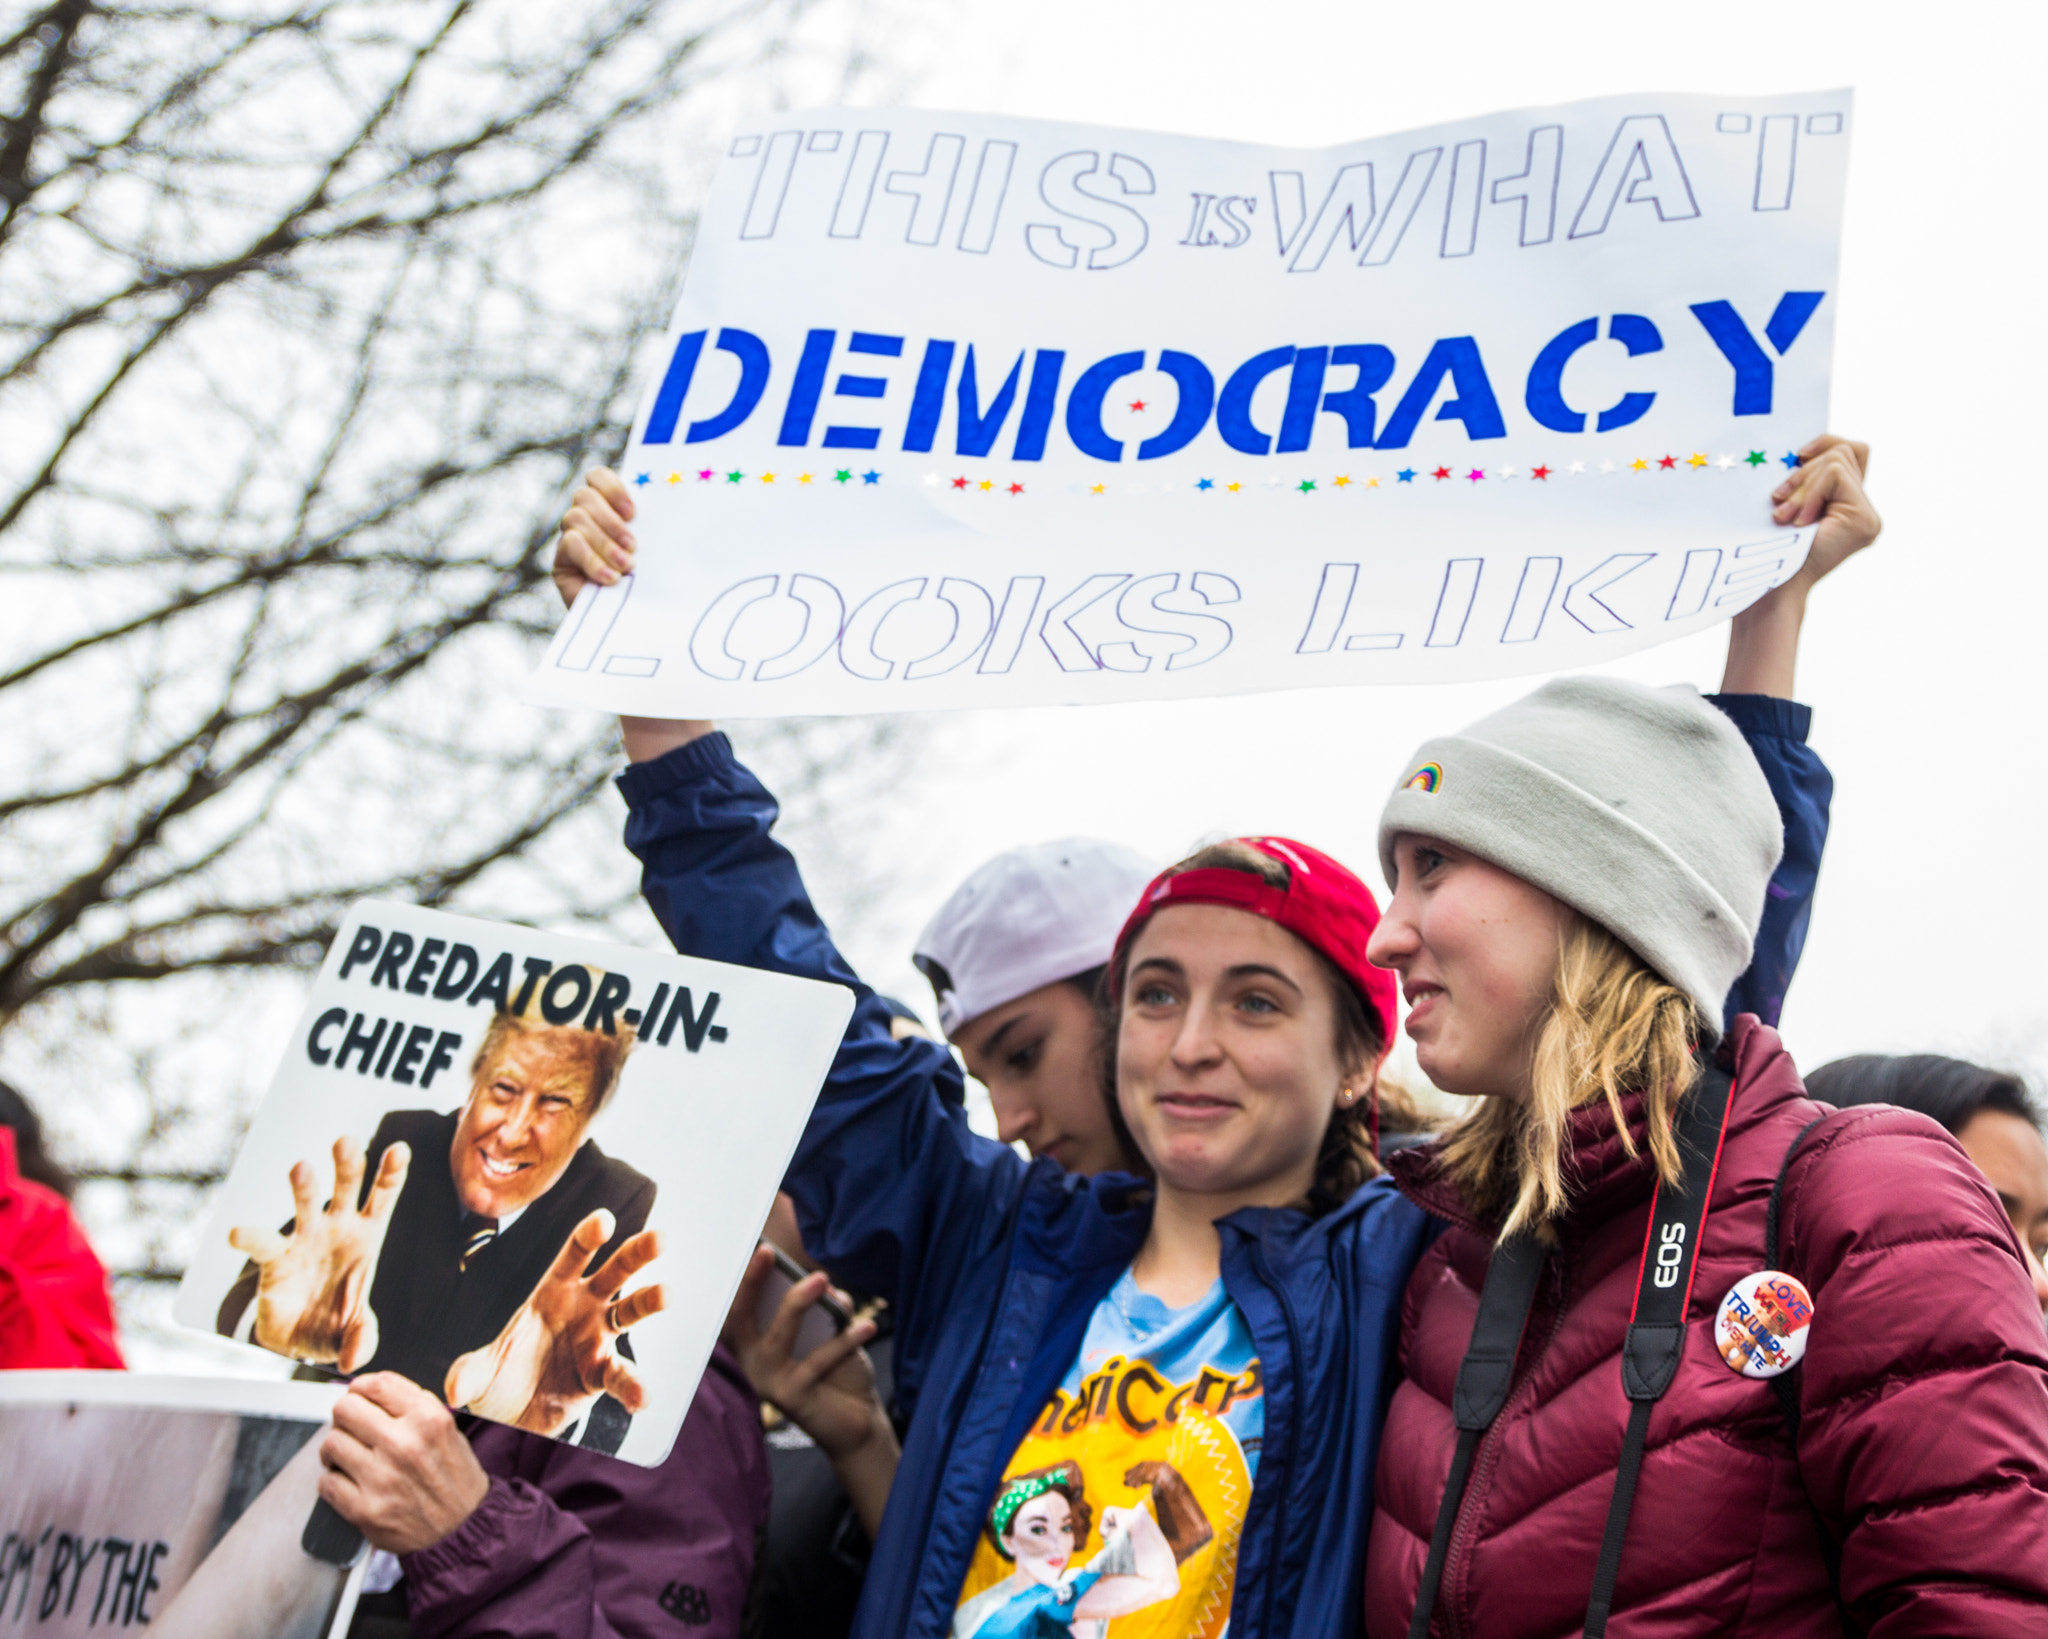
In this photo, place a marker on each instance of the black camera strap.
(1484, 1377)
(1650, 1352)
(1656, 1330)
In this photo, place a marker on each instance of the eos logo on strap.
(1670, 1256)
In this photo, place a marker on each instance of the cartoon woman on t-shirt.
(1036, 1522)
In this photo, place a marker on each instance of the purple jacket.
(572, 1545)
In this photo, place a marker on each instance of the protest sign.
(524, 1170)
(165, 1505)
(965, 411)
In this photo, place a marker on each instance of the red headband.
(1324, 906)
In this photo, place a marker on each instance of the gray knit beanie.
(1641, 808)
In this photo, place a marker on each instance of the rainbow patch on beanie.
(1426, 778)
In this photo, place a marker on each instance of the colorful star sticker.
(705, 475)
(871, 476)
(988, 483)
(1233, 487)
(734, 477)
(1306, 485)
(1667, 462)
(641, 479)
(803, 478)
(843, 475)
(1372, 483)
(1097, 489)
(1340, 482)
(1136, 403)
(1476, 474)
(1791, 459)
(1205, 483)
(767, 477)
(1755, 458)
(675, 478)
(1016, 489)
(1441, 474)
(1696, 460)
(959, 483)
(1639, 465)
(1405, 476)
(1539, 472)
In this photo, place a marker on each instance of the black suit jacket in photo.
(429, 1309)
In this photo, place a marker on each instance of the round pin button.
(1761, 1329)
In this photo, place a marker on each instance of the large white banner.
(966, 411)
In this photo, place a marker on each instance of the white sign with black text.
(523, 1169)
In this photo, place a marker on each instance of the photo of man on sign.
(483, 1251)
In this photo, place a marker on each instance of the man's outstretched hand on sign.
(559, 1352)
(313, 1285)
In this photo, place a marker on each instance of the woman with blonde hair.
(1696, 1354)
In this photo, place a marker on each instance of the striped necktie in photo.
(479, 1232)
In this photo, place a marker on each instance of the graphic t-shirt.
(1119, 1513)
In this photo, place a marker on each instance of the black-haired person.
(1015, 958)
(1990, 1113)
(55, 1313)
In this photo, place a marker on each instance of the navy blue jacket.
(994, 1264)
(1776, 731)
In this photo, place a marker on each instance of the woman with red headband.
(1125, 1395)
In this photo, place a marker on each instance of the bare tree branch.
(310, 313)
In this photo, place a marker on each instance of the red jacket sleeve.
(54, 1310)
(1924, 1397)
(573, 1545)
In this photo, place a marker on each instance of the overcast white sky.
(1924, 659)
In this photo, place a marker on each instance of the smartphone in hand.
(823, 1321)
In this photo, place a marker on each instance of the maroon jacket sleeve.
(1924, 1403)
(572, 1545)
(54, 1310)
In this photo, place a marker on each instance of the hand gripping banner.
(967, 411)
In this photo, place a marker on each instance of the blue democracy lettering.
(1360, 386)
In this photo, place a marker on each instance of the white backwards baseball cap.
(1028, 918)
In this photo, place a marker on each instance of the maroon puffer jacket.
(1924, 1400)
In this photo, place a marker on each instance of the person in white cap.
(1015, 957)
